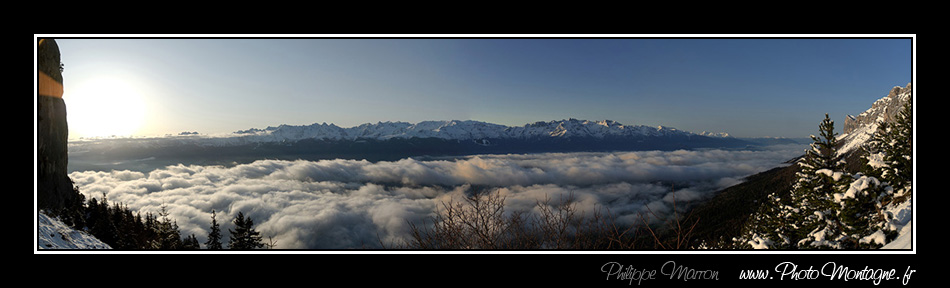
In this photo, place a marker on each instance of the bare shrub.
(674, 234)
(480, 221)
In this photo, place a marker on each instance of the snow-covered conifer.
(822, 176)
(768, 228)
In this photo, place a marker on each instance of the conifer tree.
(167, 235)
(859, 214)
(150, 232)
(214, 237)
(190, 243)
(244, 237)
(820, 178)
(890, 151)
(141, 232)
(901, 162)
(100, 222)
(122, 220)
(768, 227)
(807, 217)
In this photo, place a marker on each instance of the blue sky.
(747, 86)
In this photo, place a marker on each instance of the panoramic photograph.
(590, 144)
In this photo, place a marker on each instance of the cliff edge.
(54, 189)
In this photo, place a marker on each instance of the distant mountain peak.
(715, 134)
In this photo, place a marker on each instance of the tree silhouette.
(243, 236)
(214, 237)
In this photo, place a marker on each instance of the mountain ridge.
(458, 130)
(858, 129)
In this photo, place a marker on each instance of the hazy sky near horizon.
(747, 87)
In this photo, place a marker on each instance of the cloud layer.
(342, 204)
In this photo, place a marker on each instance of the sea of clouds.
(354, 204)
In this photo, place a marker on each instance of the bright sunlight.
(104, 107)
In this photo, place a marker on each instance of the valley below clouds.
(360, 204)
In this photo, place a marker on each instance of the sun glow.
(104, 107)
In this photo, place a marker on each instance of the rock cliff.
(884, 109)
(54, 189)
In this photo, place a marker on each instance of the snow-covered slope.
(904, 218)
(53, 234)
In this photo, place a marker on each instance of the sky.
(746, 86)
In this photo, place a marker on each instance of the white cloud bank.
(342, 204)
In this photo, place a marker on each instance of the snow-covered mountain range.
(455, 130)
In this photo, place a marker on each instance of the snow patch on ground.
(903, 217)
(53, 234)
